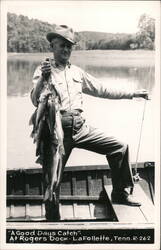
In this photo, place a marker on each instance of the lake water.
(121, 118)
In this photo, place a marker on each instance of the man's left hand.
(142, 93)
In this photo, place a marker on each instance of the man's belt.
(71, 112)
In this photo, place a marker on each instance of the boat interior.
(85, 196)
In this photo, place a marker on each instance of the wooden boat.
(84, 197)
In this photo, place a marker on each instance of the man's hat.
(62, 31)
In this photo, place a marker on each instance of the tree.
(146, 34)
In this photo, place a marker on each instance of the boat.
(88, 215)
(85, 196)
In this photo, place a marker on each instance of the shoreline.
(106, 58)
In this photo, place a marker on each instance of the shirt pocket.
(77, 81)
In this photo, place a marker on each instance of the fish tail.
(32, 134)
(48, 194)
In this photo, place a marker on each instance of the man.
(70, 82)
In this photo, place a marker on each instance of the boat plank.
(74, 185)
(91, 210)
(124, 213)
(89, 185)
(97, 225)
(62, 197)
(147, 206)
(105, 179)
(74, 206)
(67, 211)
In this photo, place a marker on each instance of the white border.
(3, 158)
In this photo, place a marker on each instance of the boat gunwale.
(80, 168)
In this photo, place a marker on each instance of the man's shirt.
(72, 82)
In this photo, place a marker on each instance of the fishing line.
(140, 135)
(136, 176)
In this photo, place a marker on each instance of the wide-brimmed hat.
(62, 31)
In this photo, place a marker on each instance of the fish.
(43, 99)
(57, 151)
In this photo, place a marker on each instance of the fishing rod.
(136, 176)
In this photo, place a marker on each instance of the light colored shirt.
(72, 82)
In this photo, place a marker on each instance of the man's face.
(62, 50)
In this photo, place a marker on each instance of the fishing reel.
(136, 177)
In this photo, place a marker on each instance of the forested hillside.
(26, 35)
(29, 35)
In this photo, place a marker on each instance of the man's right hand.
(46, 67)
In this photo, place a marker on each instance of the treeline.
(104, 41)
(26, 35)
(29, 35)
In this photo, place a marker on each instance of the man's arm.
(38, 79)
(94, 87)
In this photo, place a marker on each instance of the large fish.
(43, 100)
(56, 132)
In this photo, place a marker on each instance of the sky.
(103, 16)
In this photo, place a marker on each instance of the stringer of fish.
(48, 111)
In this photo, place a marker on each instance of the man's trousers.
(78, 134)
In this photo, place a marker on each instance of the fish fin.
(32, 134)
(31, 121)
(35, 136)
(39, 161)
(52, 115)
(32, 118)
(38, 150)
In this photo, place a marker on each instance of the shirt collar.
(56, 65)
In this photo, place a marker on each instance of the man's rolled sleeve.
(94, 87)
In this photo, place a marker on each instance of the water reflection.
(143, 77)
(19, 77)
(20, 74)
